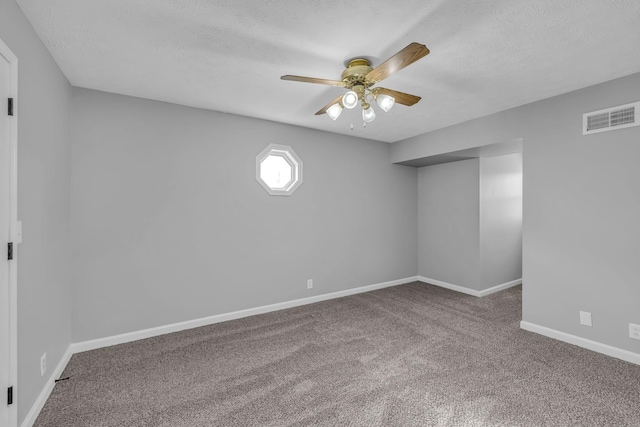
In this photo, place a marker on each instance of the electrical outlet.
(43, 364)
(585, 318)
(309, 283)
(634, 331)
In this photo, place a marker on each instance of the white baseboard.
(468, 291)
(598, 347)
(175, 327)
(501, 287)
(46, 392)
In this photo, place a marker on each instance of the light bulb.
(350, 99)
(385, 102)
(368, 114)
(334, 111)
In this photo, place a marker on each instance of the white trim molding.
(598, 347)
(468, 291)
(500, 287)
(210, 320)
(30, 419)
(12, 302)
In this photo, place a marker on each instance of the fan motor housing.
(356, 72)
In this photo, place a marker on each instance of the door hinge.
(10, 250)
(10, 396)
(10, 107)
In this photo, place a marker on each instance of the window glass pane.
(276, 172)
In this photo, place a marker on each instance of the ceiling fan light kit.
(350, 99)
(359, 78)
(368, 114)
(385, 102)
(334, 111)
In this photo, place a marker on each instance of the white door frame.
(16, 236)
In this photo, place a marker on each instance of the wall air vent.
(613, 118)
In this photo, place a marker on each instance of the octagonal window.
(275, 171)
(279, 170)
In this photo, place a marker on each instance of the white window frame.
(290, 157)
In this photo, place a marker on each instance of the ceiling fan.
(359, 77)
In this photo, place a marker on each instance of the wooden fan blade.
(324, 109)
(400, 97)
(335, 83)
(405, 57)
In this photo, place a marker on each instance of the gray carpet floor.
(410, 355)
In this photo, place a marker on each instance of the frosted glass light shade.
(385, 102)
(368, 115)
(350, 99)
(334, 111)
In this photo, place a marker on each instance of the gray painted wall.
(581, 208)
(448, 224)
(500, 220)
(44, 169)
(152, 177)
(171, 225)
(470, 221)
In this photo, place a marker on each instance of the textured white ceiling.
(228, 55)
